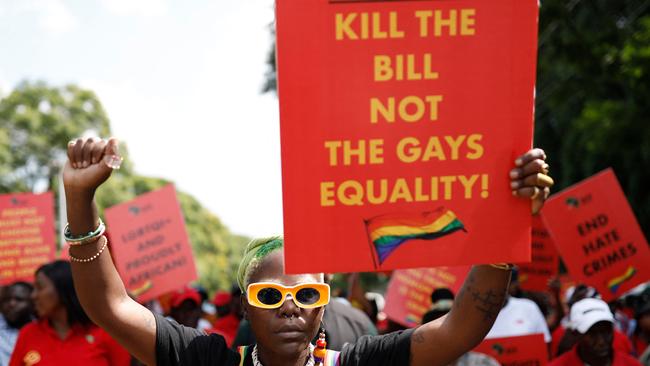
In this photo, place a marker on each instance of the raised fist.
(90, 162)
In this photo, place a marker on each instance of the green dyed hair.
(254, 253)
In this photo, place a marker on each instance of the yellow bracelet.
(503, 266)
(95, 256)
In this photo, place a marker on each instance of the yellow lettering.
(473, 142)
(343, 26)
(468, 184)
(327, 194)
(408, 150)
(455, 145)
(467, 22)
(441, 22)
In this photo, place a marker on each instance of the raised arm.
(98, 285)
(482, 295)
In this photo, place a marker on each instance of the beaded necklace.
(310, 360)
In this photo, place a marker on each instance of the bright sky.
(181, 83)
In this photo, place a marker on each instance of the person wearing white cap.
(594, 322)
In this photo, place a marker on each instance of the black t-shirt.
(179, 345)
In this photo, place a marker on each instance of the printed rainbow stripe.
(616, 282)
(388, 232)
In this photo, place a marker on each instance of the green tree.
(593, 83)
(36, 123)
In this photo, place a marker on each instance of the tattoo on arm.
(487, 302)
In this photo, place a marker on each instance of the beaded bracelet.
(503, 266)
(84, 239)
(95, 256)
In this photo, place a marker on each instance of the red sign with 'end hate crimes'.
(598, 236)
(400, 121)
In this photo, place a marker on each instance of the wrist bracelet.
(95, 256)
(503, 266)
(84, 239)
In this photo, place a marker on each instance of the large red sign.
(150, 244)
(400, 121)
(26, 235)
(408, 295)
(516, 351)
(535, 275)
(598, 236)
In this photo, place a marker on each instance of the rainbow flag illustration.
(616, 282)
(388, 232)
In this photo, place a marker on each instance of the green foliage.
(593, 89)
(36, 123)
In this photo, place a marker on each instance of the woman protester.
(285, 311)
(63, 334)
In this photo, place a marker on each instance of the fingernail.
(84, 164)
(514, 173)
(514, 193)
(514, 185)
(113, 161)
(518, 162)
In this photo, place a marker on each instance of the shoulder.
(31, 328)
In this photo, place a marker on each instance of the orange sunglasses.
(269, 295)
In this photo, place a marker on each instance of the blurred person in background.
(63, 334)
(569, 336)
(185, 307)
(441, 301)
(593, 321)
(227, 321)
(16, 310)
(519, 316)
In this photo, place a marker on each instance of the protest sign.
(598, 236)
(150, 245)
(27, 237)
(400, 121)
(535, 275)
(510, 351)
(408, 295)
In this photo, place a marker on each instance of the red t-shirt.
(38, 344)
(227, 327)
(571, 359)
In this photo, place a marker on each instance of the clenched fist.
(90, 162)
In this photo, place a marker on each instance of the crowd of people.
(79, 312)
(44, 321)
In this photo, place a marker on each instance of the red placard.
(598, 236)
(535, 275)
(511, 351)
(26, 235)
(400, 121)
(408, 295)
(150, 244)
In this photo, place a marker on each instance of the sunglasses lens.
(269, 296)
(308, 296)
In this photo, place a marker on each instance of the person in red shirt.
(63, 335)
(227, 321)
(594, 322)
